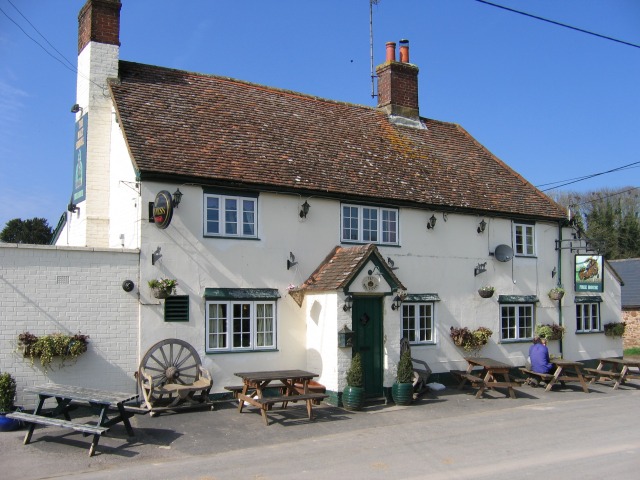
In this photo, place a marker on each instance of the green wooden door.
(367, 339)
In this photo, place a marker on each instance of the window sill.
(235, 352)
(230, 237)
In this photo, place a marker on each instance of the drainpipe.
(560, 320)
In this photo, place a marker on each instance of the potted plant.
(7, 397)
(163, 288)
(470, 341)
(353, 394)
(556, 293)
(614, 329)
(550, 332)
(486, 291)
(402, 389)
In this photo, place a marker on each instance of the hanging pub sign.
(80, 161)
(162, 209)
(589, 275)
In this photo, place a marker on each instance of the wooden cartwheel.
(171, 377)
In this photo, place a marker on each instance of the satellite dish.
(503, 253)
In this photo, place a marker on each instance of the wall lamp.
(397, 302)
(155, 256)
(76, 108)
(481, 226)
(348, 303)
(177, 198)
(432, 222)
(291, 261)
(304, 209)
(72, 207)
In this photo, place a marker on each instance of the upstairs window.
(524, 239)
(362, 224)
(230, 216)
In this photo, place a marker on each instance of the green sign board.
(80, 161)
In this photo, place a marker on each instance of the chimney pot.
(391, 52)
(404, 51)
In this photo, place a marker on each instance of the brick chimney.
(398, 83)
(99, 21)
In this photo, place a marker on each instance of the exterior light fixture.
(345, 337)
(397, 302)
(72, 207)
(76, 108)
(304, 209)
(432, 222)
(155, 256)
(481, 226)
(177, 197)
(348, 303)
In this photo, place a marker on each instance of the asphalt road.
(449, 435)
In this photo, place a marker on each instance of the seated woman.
(539, 355)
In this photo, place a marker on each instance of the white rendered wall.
(441, 260)
(47, 290)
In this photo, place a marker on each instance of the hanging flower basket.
(556, 293)
(486, 292)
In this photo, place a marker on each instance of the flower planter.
(8, 424)
(485, 293)
(158, 293)
(402, 393)
(353, 398)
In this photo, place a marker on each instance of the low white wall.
(45, 290)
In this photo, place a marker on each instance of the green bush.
(405, 368)
(354, 374)
(614, 329)
(7, 392)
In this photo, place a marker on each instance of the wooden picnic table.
(617, 369)
(494, 374)
(567, 371)
(101, 402)
(255, 383)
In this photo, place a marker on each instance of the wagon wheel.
(168, 361)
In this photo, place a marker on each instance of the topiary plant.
(405, 368)
(354, 374)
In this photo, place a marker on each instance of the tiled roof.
(342, 264)
(213, 130)
(629, 271)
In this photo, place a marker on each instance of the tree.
(34, 231)
(607, 217)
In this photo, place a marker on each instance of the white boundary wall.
(46, 289)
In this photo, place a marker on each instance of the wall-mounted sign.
(370, 283)
(80, 161)
(162, 209)
(589, 275)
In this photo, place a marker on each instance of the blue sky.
(553, 103)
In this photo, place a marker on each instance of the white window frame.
(245, 218)
(417, 312)
(520, 331)
(230, 327)
(525, 247)
(585, 317)
(366, 224)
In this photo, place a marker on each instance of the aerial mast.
(371, 4)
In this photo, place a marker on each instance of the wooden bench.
(309, 398)
(172, 377)
(546, 377)
(608, 374)
(464, 377)
(237, 389)
(86, 429)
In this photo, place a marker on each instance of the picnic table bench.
(101, 402)
(255, 384)
(565, 371)
(491, 374)
(617, 369)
